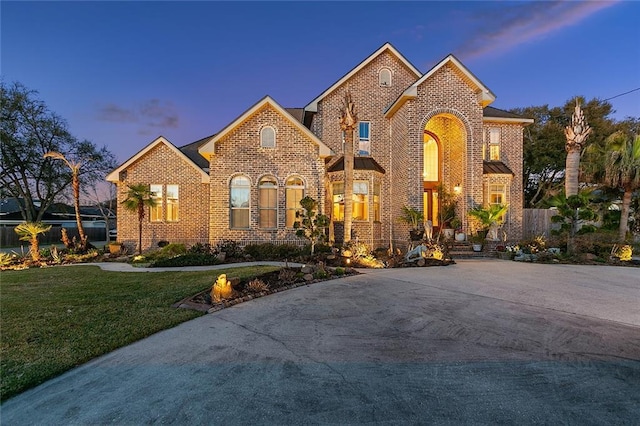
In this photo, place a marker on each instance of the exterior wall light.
(458, 188)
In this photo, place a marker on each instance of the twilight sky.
(123, 73)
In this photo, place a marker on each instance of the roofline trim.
(114, 176)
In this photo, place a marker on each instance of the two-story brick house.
(418, 134)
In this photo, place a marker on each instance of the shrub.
(287, 275)
(321, 274)
(339, 271)
(230, 247)
(188, 259)
(269, 251)
(199, 248)
(173, 249)
(257, 285)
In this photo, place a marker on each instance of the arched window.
(239, 196)
(294, 193)
(384, 77)
(268, 203)
(268, 137)
(431, 161)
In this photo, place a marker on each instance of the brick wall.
(240, 153)
(161, 165)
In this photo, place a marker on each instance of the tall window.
(360, 200)
(268, 137)
(239, 202)
(384, 77)
(364, 145)
(172, 203)
(494, 144)
(155, 212)
(360, 206)
(376, 202)
(294, 193)
(268, 203)
(431, 160)
(498, 194)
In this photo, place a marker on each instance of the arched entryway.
(444, 154)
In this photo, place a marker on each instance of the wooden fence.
(537, 222)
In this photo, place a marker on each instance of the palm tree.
(576, 135)
(348, 121)
(623, 171)
(138, 197)
(29, 231)
(75, 184)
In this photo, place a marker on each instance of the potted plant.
(447, 212)
(490, 218)
(412, 217)
(477, 242)
(456, 223)
(115, 247)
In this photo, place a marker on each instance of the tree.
(29, 231)
(28, 130)
(311, 225)
(138, 197)
(576, 135)
(74, 166)
(572, 211)
(348, 121)
(623, 171)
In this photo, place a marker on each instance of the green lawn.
(54, 319)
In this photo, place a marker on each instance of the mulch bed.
(202, 300)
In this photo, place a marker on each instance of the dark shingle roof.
(359, 163)
(297, 113)
(495, 168)
(191, 151)
(499, 113)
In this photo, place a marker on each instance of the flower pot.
(477, 247)
(461, 236)
(115, 248)
(448, 233)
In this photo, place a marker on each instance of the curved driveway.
(479, 342)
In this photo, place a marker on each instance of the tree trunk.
(348, 184)
(140, 219)
(75, 183)
(571, 172)
(624, 214)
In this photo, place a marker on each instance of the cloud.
(513, 24)
(150, 113)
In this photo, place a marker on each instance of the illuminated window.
(239, 202)
(338, 201)
(268, 137)
(364, 145)
(376, 202)
(172, 203)
(268, 203)
(155, 212)
(360, 200)
(384, 77)
(294, 192)
(494, 144)
(498, 195)
(431, 159)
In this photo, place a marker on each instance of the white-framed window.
(360, 203)
(294, 192)
(364, 135)
(155, 211)
(173, 203)
(498, 194)
(494, 144)
(384, 77)
(268, 137)
(430, 159)
(268, 203)
(239, 195)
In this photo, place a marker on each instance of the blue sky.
(123, 73)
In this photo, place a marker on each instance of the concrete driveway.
(478, 342)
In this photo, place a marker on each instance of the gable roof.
(485, 96)
(208, 148)
(114, 176)
(491, 114)
(313, 105)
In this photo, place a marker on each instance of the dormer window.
(384, 77)
(268, 137)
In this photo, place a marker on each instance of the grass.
(54, 319)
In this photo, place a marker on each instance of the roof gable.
(114, 176)
(208, 148)
(313, 105)
(485, 96)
